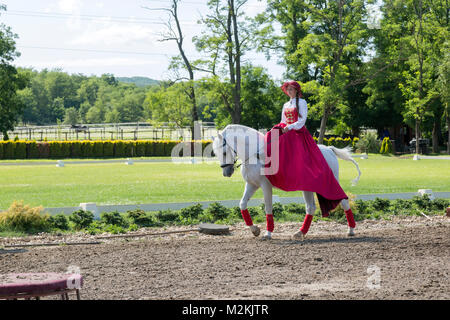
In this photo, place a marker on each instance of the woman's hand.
(285, 129)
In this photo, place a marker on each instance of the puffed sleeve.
(303, 108)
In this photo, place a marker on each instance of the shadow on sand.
(319, 240)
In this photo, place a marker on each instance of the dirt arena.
(404, 258)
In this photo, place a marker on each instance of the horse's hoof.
(255, 230)
(298, 236)
(351, 232)
(267, 236)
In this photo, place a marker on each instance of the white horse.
(247, 144)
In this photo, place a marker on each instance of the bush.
(20, 151)
(218, 211)
(399, 206)
(108, 148)
(140, 218)
(114, 229)
(380, 204)
(368, 143)
(439, 204)
(295, 208)
(422, 202)
(386, 146)
(32, 150)
(362, 207)
(277, 209)
(113, 218)
(81, 219)
(59, 221)
(20, 217)
(168, 216)
(75, 149)
(192, 211)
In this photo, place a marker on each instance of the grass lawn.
(118, 183)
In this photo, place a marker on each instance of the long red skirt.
(302, 167)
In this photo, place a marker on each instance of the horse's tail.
(345, 154)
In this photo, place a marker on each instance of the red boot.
(350, 218)
(306, 223)
(270, 224)
(247, 218)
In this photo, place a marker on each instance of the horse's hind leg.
(350, 218)
(250, 190)
(310, 209)
(267, 191)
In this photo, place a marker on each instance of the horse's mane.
(243, 128)
(236, 128)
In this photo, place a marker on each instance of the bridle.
(225, 143)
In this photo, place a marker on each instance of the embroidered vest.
(291, 115)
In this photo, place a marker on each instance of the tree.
(228, 37)
(11, 81)
(181, 61)
(443, 86)
(427, 22)
(166, 104)
(262, 100)
(71, 116)
(323, 38)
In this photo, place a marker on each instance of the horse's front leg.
(250, 190)
(267, 190)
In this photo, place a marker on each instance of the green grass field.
(118, 183)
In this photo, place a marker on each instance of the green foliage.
(81, 219)
(59, 221)
(217, 211)
(142, 219)
(22, 218)
(168, 216)
(277, 209)
(422, 202)
(380, 204)
(113, 218)
(386, 146)
(192, 211)
(11, 81)
(368, 143)
(295, 209)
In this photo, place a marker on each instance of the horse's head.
(226, 155)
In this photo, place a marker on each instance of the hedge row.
(23, 149)
(339, 142)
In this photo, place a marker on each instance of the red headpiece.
(295, 84)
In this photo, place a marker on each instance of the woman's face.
(292, 92)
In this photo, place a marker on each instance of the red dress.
(301, 165)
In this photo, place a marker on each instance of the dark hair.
(298, 96)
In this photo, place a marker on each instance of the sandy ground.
(404, 258)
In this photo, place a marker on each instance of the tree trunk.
(355, 131)
(323, 124)
(417, 131)
(436, 129)
(448, 133)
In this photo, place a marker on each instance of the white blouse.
(303, 109)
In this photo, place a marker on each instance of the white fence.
(110, 131)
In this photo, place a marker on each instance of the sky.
(94, 37)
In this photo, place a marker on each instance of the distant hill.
(139, 81)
